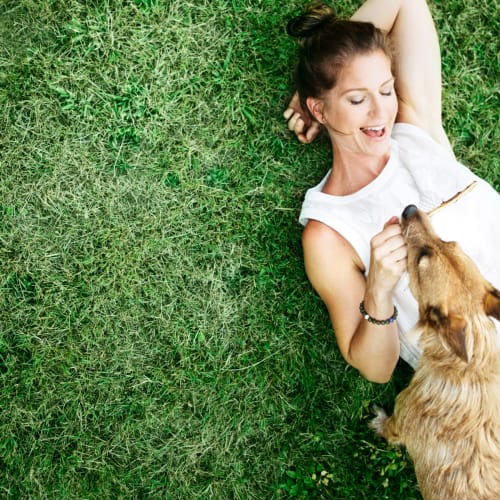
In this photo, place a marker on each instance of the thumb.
(392, 220)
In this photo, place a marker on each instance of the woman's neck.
(353, 171)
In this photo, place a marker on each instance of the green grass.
(159, 338)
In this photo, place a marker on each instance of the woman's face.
(360, 111)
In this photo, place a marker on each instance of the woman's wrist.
(382, 13)
(378, 305)
(377, 321)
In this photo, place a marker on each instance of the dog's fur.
(448, 417)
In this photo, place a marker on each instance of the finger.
(288, 113)
(392, 221)
(299, 126)
(294, 101)
(293, 121)
(387, 254)
(400, 254)
(395, 244)
(303, 138)
(389, 250)
(394, 263)
(312, 132)
(391, 231)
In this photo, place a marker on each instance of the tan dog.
(448, 418)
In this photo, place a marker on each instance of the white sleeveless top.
(423, 173)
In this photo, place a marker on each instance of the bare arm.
(336, 273)
(417, 66)
(418, 69)
(381, 13)
(418, 60)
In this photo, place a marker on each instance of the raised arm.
(418, 69)
(417, 66)
(382, 13)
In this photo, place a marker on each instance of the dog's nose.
(409, 211)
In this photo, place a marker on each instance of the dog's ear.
(454, 333)
(452, 329)
(492, 303)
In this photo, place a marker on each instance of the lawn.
(158, 335)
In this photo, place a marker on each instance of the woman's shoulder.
(317, 235)
(320, 242)
(411, 136)
(420, 152)
(411, 139)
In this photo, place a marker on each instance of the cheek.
(346, 117)
(395, 105)
(392, 106)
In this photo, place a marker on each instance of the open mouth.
(374, 131)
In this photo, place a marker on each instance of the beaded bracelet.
(387, 321)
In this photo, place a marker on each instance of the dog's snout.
(409, 211)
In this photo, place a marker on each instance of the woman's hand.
(387, 261)
(299, 121)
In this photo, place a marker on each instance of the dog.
(448, 417)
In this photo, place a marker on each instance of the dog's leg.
(385, 426)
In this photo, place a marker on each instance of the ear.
(454, 334)
(492, 303)
(452, 330)
(316, 106)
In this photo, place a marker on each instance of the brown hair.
(326, 45)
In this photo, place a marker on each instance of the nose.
(409, 211)
(376, 106)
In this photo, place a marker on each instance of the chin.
(381, 148)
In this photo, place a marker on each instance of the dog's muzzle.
(409, 212)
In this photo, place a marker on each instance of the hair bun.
(311, 21)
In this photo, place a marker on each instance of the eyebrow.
(363, 89)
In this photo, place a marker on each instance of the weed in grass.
(159, 338)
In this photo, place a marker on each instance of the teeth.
(375, 129)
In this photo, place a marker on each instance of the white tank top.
(424, 173)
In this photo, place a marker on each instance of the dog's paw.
(377, 423)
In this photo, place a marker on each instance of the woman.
(382, 113)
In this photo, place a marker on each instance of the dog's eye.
(424, 253)
(434, 314)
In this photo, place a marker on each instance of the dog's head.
(446, 283)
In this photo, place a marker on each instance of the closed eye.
(355, 102)
(388, 88)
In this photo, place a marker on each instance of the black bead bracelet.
(375, 321)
